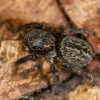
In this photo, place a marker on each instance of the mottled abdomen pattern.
(75, 52)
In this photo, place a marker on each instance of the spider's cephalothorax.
(70, 52)
(39, 40)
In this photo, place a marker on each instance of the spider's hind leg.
(80, 72)
(86, 76)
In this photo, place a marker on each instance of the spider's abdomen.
(75, 52)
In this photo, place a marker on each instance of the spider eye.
(38, 47)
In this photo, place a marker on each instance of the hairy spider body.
(71, 52)
(74, 51)
(39, 40)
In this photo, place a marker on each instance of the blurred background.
(37, 85)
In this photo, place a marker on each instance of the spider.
(71, 52)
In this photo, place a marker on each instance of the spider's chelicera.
(71, 52)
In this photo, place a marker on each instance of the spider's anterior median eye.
(38, 47)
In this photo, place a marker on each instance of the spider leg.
(86, 76)
(76, 31)
(66, 66)
(35, 68)
(54, 69)
(58, 32)
(61, 30)
(26, 58)
(34, 25)
(25, 73)
(56, 77)
(46, 26)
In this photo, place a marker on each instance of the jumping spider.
(71, 52)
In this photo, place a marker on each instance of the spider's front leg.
(35, 25)
(80, 72)
(26, 58)
(27, 71)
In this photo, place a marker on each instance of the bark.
(77, 13)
